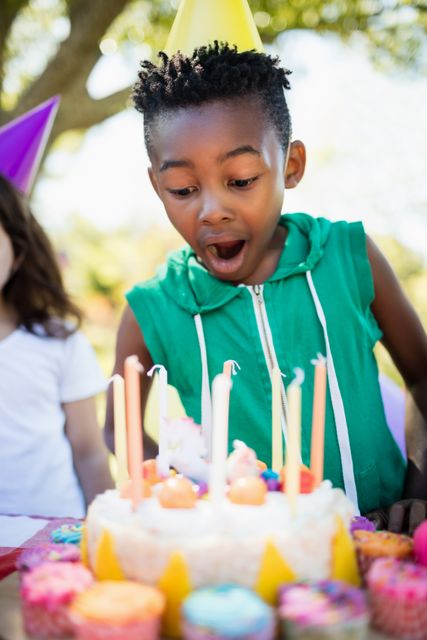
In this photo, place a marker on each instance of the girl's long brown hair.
(35, 290)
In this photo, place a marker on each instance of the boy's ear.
(295, 165)
(153, 180)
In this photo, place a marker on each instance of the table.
(11, 627)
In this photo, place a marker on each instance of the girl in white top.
(52, 457)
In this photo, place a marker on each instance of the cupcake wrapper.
(405, 619)
(46, 624)
(193, 632)
(357, 630)
(89, 630)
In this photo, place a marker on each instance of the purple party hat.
(22, 142)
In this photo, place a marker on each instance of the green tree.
(52, 46)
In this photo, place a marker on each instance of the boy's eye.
(243, 182)
(182, 193)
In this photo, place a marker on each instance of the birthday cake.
(257, 546)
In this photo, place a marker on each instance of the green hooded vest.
(335, 255)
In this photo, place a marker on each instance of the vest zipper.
(264, 330)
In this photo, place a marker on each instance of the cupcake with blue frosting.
(227, 612)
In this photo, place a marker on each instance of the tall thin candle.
(293, 445)
(220, 399)
(318, 420)
(276, 425)
(133, 370)
(120, 444)
(162, 382)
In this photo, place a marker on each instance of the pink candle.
(318, 421)
(132, 372)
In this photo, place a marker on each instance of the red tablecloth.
(9, 555)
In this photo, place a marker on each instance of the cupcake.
(46, 593)
(398, 596)
(323, 610)
(226, 612)
(32, 558)
(371, 545)
(420, 544)
(114, 610)
(68, 533)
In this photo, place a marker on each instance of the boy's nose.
(214, 211)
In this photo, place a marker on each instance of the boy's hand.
(401, 517)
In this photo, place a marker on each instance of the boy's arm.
(90, 455)
(406, 341)
(130, 341)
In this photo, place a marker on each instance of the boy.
(258, 287)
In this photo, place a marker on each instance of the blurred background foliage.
(53, 46)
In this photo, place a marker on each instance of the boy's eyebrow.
(172, 164)
(246, 148)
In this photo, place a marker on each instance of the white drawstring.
(206, 412)
(337, 404)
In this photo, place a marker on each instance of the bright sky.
(365, 133)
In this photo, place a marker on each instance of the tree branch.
(77, 55)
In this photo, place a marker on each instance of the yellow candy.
(249, 490)
(177, 493)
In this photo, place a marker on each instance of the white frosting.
(222, 544)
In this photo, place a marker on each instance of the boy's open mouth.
(226, 250)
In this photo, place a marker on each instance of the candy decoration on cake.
(22, 143)
(175, 585)
(344, 560)
(107, 566)
(273, 573)
(200, 22)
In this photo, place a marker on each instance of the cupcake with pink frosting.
(32, 558)
(398, 596)
(324, 610)
(46, 594)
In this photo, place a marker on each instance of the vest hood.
(194, 289)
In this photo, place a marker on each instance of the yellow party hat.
(201, 22)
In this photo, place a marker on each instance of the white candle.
(276, 426)
(162, 381)
(120, 437)
(220, 400)
(293, 455)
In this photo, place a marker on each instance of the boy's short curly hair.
(214, 72)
